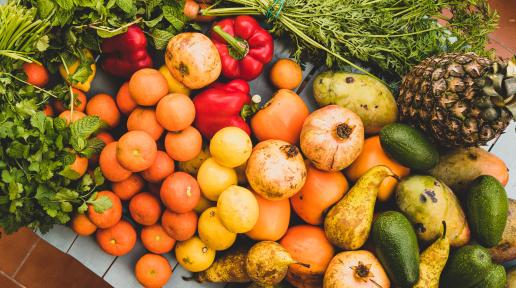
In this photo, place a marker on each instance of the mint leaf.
(111, 33)
(93, 146)
(85, 127)
(175, 17)
(154, 22)
(126, 5)
(161, 38)
(65, 4)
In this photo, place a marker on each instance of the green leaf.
(65, 4)
(110, 4)
(70, 173)
(175, 16)
(66, 207)
(154, 22)
(98, 177)
(82, 73)
(42, 43)
(38, 121)
(83, 208)
(126, 5)
(66, 194)
(151, 4)
(85, 127)
(101, 204)
(93, 146)
(45, 8)
(18, 150)
(111, 33)
(160, 38)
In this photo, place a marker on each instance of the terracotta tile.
(48, 267)
(500, 50)
(506, 33)
(14, 248)
(6, 282)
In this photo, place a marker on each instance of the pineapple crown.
(498, 88)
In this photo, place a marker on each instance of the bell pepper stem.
(239, 48)
(250, 109)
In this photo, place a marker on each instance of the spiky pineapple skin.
(441, 96)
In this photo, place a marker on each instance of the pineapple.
(459, 99)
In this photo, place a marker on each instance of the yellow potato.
(214, 178)
(238, 209)
(212, 231)
(231, 147)
(194, 255)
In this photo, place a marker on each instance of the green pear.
(267, 263)
(348, 223)
(230, 267)
(432, 262)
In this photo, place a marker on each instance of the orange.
(162, 167)
(156, 240)
(136, 151)
(127, 188)
(180, 226)
(109, 165)
(373, 155)
(145, 209)
(273, 219)
(37, 75)
(124, 101)
(153, 271)
(286, 74)
(79, 100)
(80, 165)
(48, 110)
(175, 112)
(117, 240)
(180, 192)
(82, 225)
(183, 145)
(108, 217)
(104, 106)
(68, 116)
(147, 86)
(142, 119)
(104, 137)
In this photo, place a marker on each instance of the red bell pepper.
(244, 47)
(126, 53)
(223, 105)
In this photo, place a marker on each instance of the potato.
(193, 60)
(506, 249)
(362, 94)
(460, 167)
(427, 202)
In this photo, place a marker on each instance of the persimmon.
(153, 271)
(37, 75)
(147, 86)
(156, 240)
(175, 112)
(136, 151)
(162, 167)
(117, 240)
(180, 192)
(180, 226)
(373, 155)
(281, 118)
(321, 190)
(307, 244)
(108, 217)
(70, 116)
(286, 74)
(127, 188)
(48, 110)
(145, 208)
(109, 165)
(79, 102)
(183, 145)
(79, 165)
(124, 101)
(144, 119)
(104, 106)
(273, 219)
(82, 225)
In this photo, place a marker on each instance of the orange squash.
(373, 155)
(281, 118)
(273, 219)
(321, 190)
(307, 244)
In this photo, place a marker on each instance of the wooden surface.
(118, 271)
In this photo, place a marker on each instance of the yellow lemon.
(214, 178)
(231, 147)
(194, 255)
(213, 232)
(237, 208)
(174, 86)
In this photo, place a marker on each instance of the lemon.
(202, 205)
(231, 147)
(174, 86)
(212, 231)
(194, 255)
(214, 178)
(237, 208)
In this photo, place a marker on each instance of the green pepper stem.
(239, 47)
(250, 109)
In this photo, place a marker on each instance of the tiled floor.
(27, 261)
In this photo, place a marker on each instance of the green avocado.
(487, 209)
(396, 247)
(408, 146)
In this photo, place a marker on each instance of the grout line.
(26, 257)
(12, 279)
(109, 268)
(71, 244)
